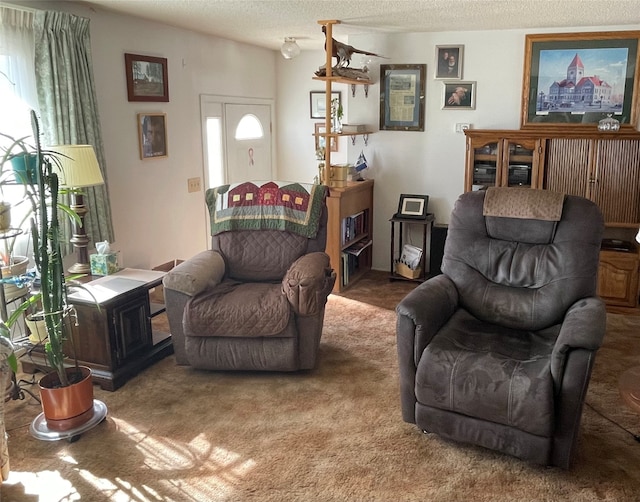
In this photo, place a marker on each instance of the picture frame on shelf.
(449, 60)
(147, 78)
(402, 97)
(320, 129)
(412, 206)
(573, 80)
(459, 95)
(318, 104)
(152, 135)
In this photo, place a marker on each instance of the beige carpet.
(333, 434)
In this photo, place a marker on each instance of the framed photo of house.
(318, 104)
(321, 140)
(402, 94)
(152, 135)
(573, 80)
(412, 206)
(147, 78)
(449, 62)
(459, 96)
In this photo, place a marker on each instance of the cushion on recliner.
(239, 310)
(259, 256)
(549, 276)
(464, 370)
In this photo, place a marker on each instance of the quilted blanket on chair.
(271, 205)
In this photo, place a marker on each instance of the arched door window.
(249, 127)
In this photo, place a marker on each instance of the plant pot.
(37, 328)
(24, 168)
(17, 268)
(67, 408)
(5, 216)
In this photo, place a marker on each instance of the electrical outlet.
(461, 127)
(193, 185)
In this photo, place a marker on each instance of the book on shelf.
(353, 226)
(358, 247)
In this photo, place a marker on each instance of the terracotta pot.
(69, 407)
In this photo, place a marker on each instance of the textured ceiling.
(266, 22)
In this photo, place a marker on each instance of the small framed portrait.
(413, 206)
(147, 78)
(449, 62)
(152, 135)
(318, 103)
(321, 140)
(459, 96)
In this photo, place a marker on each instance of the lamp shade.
(78, 166)
(290, 48)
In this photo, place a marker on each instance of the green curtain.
(69, 107)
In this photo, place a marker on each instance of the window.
(249, 127)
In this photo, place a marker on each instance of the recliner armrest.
(196, 274)
(308, 282)
(428, 307)
(583, 327)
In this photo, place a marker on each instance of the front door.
(248, 142)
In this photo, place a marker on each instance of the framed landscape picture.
(147, 78)
(318, 104)
(577, 79)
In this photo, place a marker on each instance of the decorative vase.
(5, 216)
(37, 328)
(67, 408)
(24, 168)
(17, 268)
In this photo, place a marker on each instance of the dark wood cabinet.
(114, 337)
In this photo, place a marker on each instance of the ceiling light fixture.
(290, 48)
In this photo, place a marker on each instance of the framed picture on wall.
(152, 135)
(402, 93)
(577, 79)
(459, 96)
(320, 128)
(449, 61)
(318, 104)
(147, 78)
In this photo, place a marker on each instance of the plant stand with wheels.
(40, 430)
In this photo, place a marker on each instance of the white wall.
(155, 218)
(429, 162)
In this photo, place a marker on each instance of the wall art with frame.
(413, 206)
(459, 96)
(152, 135)
(449, 62)
(402, 96)
(320, 129)
(576, 79)
(318, 104)
(147, 78)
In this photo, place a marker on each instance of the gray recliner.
(498, 351)
(256, 300)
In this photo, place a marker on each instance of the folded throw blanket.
(272, 205)
(523, 203)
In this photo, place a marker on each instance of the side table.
(116, 340)
(427, 225)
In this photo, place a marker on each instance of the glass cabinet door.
(485, 165)
(519, 162)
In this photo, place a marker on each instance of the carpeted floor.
(331, 434)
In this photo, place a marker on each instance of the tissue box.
(103, 264)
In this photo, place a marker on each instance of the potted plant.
(67, 391)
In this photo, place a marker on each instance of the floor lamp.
(78, 168)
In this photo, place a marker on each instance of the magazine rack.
(427, 225)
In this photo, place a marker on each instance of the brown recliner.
(498, 351)
(256, 300)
